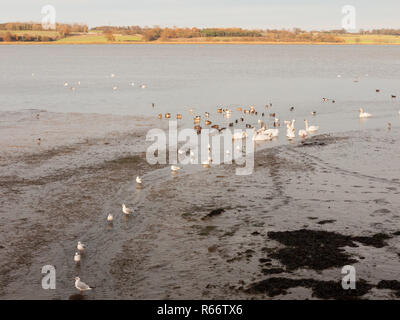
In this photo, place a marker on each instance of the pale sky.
(260, 14)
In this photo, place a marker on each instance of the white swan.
(302, 134)
(81, 286)
(290, 131)
(126, 210)
(261, 136)
(364, 114)
(310, 128)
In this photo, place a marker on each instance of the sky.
(257, 14)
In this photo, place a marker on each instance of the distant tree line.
(16, 29)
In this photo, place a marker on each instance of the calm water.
(60, 192)
(179, 77)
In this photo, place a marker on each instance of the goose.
(302, 134)
(138, 180)
(110, 217)
(364, 114)
(81, 286)
(175, 168)
(310, 128)
(77, 257)
(239, 135)
(80, 246)
(126, 210)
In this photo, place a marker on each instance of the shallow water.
(93, 147)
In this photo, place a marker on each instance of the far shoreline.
(189, 42)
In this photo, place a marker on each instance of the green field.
(370, 39)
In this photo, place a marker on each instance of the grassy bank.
(100, 38)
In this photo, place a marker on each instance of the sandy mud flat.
(284, 232)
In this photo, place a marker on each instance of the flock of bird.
(261, 134)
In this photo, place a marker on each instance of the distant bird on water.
(110, 217)
(364, 114)
(175, 168)
(138, 180)
(38, 140)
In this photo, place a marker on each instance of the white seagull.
(80, 246)
(138, 180)
(126, 210)
(110, 217)
(77, 257)
(81, 286)
(175, 168)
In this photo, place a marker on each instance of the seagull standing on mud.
(175, 168)
(110, 217)
(80, 246)
(77, 257)
(81, 286)
(126, 210)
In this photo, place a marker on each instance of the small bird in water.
(77, 257)
(175, 168)
(110, 217)
(138, 180)
(81, 286)
(80, 246)
(126, 210)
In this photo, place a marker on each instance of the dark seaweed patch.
(318, 250)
